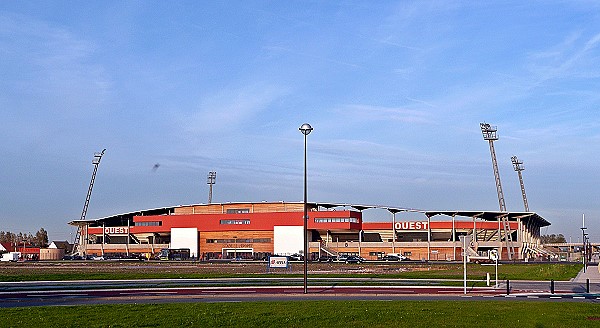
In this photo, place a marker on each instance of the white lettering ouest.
(412, 225)
(116, 230)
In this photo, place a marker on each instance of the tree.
(553, 239)
(41, 238)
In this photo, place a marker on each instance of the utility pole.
(211, 180)
(77, 249)
(518, 166)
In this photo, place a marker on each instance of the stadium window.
(148, 224)
(238, 210)
(336, 220)
(239, 221)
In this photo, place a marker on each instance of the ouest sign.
(412, 225)
(116, 230)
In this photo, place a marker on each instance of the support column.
(428, 238)
(453, 239)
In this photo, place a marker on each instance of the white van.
(10, 257)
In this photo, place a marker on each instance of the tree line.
(40, 239)
(553, 239)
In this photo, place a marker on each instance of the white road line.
(533, 297)
(555, 296)
(228, 291)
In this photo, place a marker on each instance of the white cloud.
(229, 110)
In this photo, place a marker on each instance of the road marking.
(533, 297)
(229, 291)
(510, 296)
(555, 296)
(579, 297)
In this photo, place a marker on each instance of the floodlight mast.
(77, 250)
(518, 166)
(211, 180)
(489, 134)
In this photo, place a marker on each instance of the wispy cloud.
(229, 109)
(380, 113)
(322, 58)
(573, 57)
(54, 64)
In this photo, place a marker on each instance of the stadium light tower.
(489, 134)
(306, 129)
(80, 249)
(518, 166)
(212, 178)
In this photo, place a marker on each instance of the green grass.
(344, 314)
(556, 271)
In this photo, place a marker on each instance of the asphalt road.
(121, 292)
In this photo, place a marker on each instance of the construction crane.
(490, 134)
(518, 166)
(212, 178)
(77, 249)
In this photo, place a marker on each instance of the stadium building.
(257, 230)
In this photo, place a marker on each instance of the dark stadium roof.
(483, 215)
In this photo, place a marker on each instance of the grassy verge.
(312, 314)
(85, 271)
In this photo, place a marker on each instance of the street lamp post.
(235, 248)
(306, 129)
(583, 234)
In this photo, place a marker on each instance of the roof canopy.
(483, 215)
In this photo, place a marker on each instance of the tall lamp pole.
(583, 234)
(306, 129)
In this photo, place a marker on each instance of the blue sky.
(395, 91)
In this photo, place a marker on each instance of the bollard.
(552, 286)
(507, 287)
(587, 285)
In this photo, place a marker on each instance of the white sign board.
(278, 262)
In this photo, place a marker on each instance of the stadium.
(256, 230)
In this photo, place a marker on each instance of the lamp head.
(306, 129)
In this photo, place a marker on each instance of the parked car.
(327, 258)
(394, 258)
(354, 259)
(341, 258)
(296, 257)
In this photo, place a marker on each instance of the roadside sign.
(494, 255)
(278, 262)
